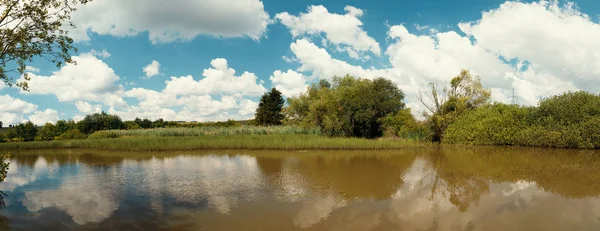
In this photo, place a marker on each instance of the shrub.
(100, 121)
(48, 132)
(497, 124)
(111, 134)
(590, 131)
(73, 134)
(23, 132)
(567, 109)
(349, 107)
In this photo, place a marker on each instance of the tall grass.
(206, 131)
(249, 142)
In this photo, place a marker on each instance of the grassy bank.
(206, 131)
(250, 142)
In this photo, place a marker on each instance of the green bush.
(567, 109)
(590, 131)
(569, 120)
(100, 121)
(497, 124)
(73, 134)
(23, 132)
(206, 131)
(109, 134)
(48, 132)
(349, 107)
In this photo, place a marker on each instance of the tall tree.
(269, 111)
(100, 121)
(48, 132)
(349, 106)
(24, 132)
(34, 28)
(465, 93)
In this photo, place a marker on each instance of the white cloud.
(87, 108)
(167, 21)
(287, 59)
(220, 79)
(101, 54)
(14, 105)
(558, 55)
(560, 40)
(152, 69)
(290, 83)
(31, 69)
(8, 118)
(42, 117)
(150, 98)
(321, 64)
(90, 80)
(344, 30)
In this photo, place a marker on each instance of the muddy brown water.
(413, 189)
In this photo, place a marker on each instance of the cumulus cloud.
(90, 80)
(43, 117)
(8, 118)
(31, 69)
(557, 55)
(101, 54)
(10, 104)
(88, 108)
(290, 83)
(167, 21)
(152, 69)
(220, 79)
(342, 30)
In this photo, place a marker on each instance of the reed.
(248, 142)
(206, 131)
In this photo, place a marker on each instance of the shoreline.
(235, 142)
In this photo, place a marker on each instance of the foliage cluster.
(349, 106)
(207, 131)
(569, 120)
(465, 94)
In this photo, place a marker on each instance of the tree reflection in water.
(4, 222)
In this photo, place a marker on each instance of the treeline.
(569, 120)
(69, 129)
(460, 113)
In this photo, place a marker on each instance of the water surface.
(417, 189)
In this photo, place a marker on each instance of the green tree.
(48, 132)
(465, 93)
(100, 121)
(269, 111)
(144, 123)
(0, 124)
(159, 123)
(349, 106)
(63, 126)
(31, 29)
(23, 132)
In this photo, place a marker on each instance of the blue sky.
(177, 60)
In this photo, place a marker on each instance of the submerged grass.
(249, 142)
(206, 131)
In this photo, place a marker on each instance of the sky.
(207, 60)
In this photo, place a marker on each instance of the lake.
(413, 189)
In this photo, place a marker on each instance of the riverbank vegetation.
(251, 142)
(347, 113)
